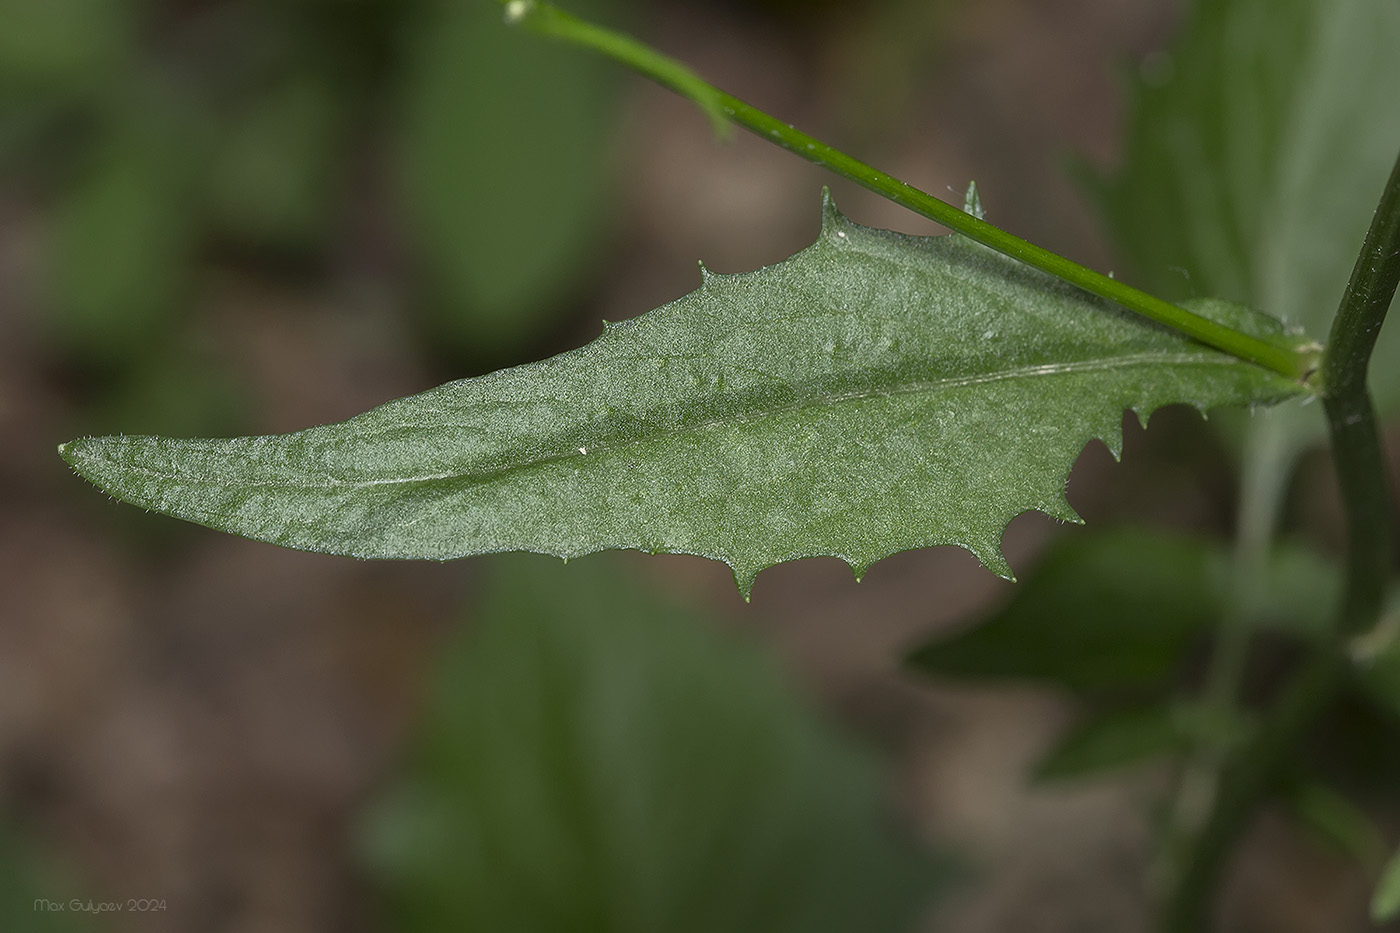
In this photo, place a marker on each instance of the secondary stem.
(1351, 420)
(1244, 785)
(549, 20)
(1265, 466)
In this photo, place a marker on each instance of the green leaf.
(1376, 657)
(1114, 739)
(1258, 148)
(596, 758)
(1385, 903)
(121, 238)
(1107, 611)
(505, 145)
(874, 393)
(62, 45)
(1335, 820)
(1117, 610)
(275, 173)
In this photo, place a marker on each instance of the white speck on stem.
(583, 450)
(517, 10)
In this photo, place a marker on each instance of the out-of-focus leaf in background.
(505, 142)
(176, 390)
(1114, 617)
(108, 142)
(61, 46)
(595, 759)
(1114, 739)
(1334, 819)
(279, 164)
(1116, 611)
(1258, 147)
(1101, 612)
(158, 133)
(1378, 660)
(122, 234)
(1385, 905)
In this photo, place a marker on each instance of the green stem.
(1351, 420)
(1366, 500)
(1249, 779)
(1266, 461)
(545, 19)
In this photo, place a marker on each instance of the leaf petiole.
(1295, 362)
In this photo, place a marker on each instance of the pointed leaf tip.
(972, 202)
(744, 581)
(832, 218)
(996, 562)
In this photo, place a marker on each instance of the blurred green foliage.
(505, 145)
(1336, 820)
(119, 254)
(159, 137)
(1385, 905)
(1118, 611)
(280, 163)
(61, 46)
(1115, 738)
(1257, 147)
(596, 758)
(1102, 612)
(1121, 618)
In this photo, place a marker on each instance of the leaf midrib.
(932, 388)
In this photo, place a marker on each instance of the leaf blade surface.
(874, 393)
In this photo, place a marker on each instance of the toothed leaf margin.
(876, 392)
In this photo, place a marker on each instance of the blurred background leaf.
(1333, 818)
(1258, 146)
(245, 125)
(1377, 657)
(1103, 611)
(505, 142)
(1385, 904)
(121, 239)
(61, 46)
(1114, 739)
(595, 758)
(1121, 619)
(280, 163)
(1116, 610)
